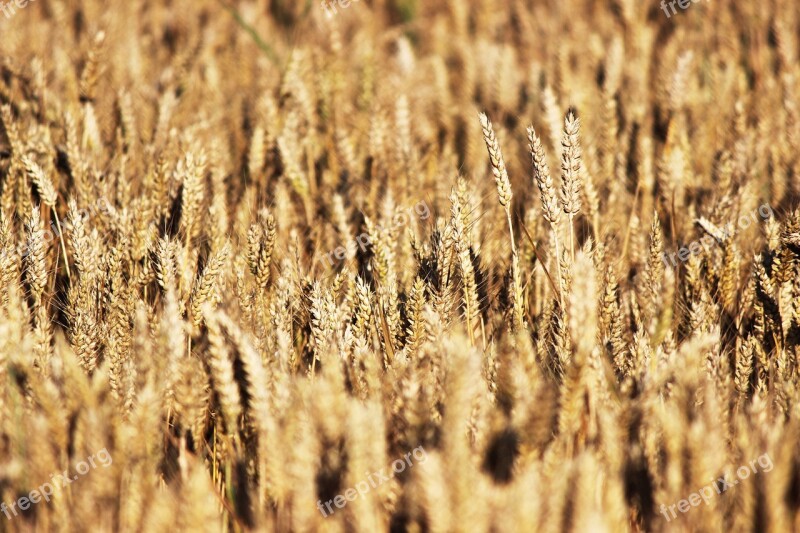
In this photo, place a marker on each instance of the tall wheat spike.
(571, 174)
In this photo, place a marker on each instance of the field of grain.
(422, 266)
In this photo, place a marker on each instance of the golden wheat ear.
(571, 174)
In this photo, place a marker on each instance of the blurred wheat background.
(559, 373)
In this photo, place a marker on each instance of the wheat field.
(399, 265)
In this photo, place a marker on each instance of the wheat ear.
(570, 174)
(499, 171)
(544, 181)
(48, 194)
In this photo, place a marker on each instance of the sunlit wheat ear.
(9, 263)
(221, 364)
(610, 318)
(654, 271)
(499, 171)
(48, 195)
(260, 243)
(323, 317)
(258, 151)
(583, 304)
(91, 141)
(11, 129)
(166, 265)
(729, 284)
(362, 312)
(544, 182)
(542, 178)
(416, 325)
(191, 172)
(292, 169)
(496, 159)
(120, 331)
(571, 174)
(679, 83)
(207, 288)
(90, 73)
(257, 379)
(171, 340)
(470, 293)
(36, 250)
(443, 301)
(43, 184)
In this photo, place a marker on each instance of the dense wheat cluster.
(545, 256)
